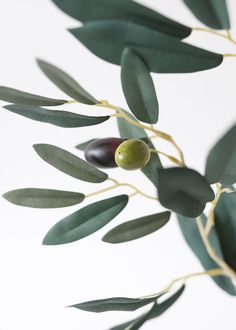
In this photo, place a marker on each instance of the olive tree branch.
(120, 113)
(227, 35)
(224, 268)
(183, 279)
(211, 214)
(211, 251)
(121, 184)
(171, 158)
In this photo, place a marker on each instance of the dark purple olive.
(101, 152)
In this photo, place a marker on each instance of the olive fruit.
(132, 154)
(101, 152)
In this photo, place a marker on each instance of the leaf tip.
(107, 239)
(47, 242)
(38, 146)
(39, 61)
(5, 196)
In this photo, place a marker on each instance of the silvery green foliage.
(141, 41)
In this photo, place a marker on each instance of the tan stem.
(120, 113)
(121, 184)
(211, 214)
(226, 36)
(211, 251)
(72, 101)
(229, 55)
(211, 272)
(171, 158)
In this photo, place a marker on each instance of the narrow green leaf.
(191, 234)
(114, 304)
(138, 88)
(156, 311)
(82, 146)
(55, 117)
(70, 164)
(137, 228)
(66, 83)
(221, 161)
(139, 322)
(161, 53)
(12, 95)
(129, 131)
(183, 190)
(125, 10)
(183, 58)
(86, 221)
(225, 224)
(213, 13)
(43, 198)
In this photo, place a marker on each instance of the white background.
(37, 282)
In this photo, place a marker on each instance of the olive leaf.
(43, 198)
(157, 310)
(213, 13)
(161, 53)
(86, 221)
(114, 304)
(66, 83)
(221, 160)
(12, 95)
(137, 228)
(225, 224)
(129, 131)
(82, 146)
(55, 117)
(183, 190)
(191, 234)
(125, 10)
(138, 322)
(70, 164)
(138, 87)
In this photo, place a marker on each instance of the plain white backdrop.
(37, 282)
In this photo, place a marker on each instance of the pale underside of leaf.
(43, 198)
(66, 83)
(13, 95)
(70, 164)
(55, 117)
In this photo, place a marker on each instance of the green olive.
(132, 154)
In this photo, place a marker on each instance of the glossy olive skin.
(101, 152)
(132, 154)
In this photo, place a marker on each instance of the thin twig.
(211, 272)
(121, 114)
(226, 36)
(171, 158)
(211, 251)
(121, 184)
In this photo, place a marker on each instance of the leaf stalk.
(121, 184)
